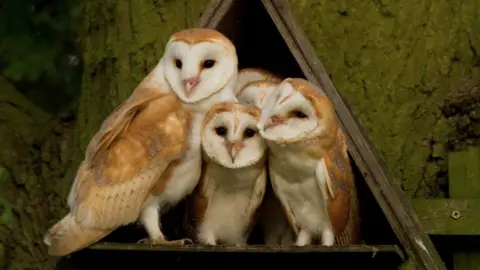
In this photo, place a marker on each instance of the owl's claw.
(153, 242)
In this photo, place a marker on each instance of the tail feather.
(67, 236)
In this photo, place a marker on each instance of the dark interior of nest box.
(259, 44)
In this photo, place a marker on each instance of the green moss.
(27, 198)
(393, 62)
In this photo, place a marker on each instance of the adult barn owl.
(248, 75)
(308, 164)
(146, 157)
(272, 220)
(224, 205)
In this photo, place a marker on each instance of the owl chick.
(309, 166)
(146, 157)
(272, 220)
(248, 75)
(224, 205)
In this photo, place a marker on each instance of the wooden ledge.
(126, 256)
(250, 249)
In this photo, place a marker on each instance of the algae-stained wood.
(449, 216)
(389, 195)
(464, 173)
(464, 182)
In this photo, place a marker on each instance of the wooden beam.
(388, 194)
(214, 13)
(464, 173)
(464, 182)
(251, 248)
(449, 216)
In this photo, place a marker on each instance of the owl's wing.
(336, 181)
(256, 199)
(334, 169)
(111, 127)
(126, 157)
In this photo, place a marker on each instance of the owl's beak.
(191, 83)
(234, 148)
(274, 121)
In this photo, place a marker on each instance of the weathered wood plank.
(387, 192)
(464, 173)
(464, 182)
(214, 13)
(250, 248)
(449, 216)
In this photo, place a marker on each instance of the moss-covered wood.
(34, 154)
(449, 216)
(395, 62)
(464, 174)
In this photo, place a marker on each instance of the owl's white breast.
(289, 161)
(293, 178)
(230, 192)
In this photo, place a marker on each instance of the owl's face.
(230, 136)
(199, 63)
(255, 93)
(294, 111)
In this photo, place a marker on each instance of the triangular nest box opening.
(259, 44)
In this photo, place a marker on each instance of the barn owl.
(224, 205)
(248, 75)
(309, 167)
(272, 220)
(146, 157)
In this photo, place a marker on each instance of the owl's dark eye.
(299, 114)
(249, 133)
(208, 63)
(178, 63)
(221, 131)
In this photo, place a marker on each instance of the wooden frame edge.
(214, 13)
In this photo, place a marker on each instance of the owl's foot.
(161, 241)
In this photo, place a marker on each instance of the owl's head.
(198, 63)
(296, 111)
(255, 93)
(248, 75)
(230, 136)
